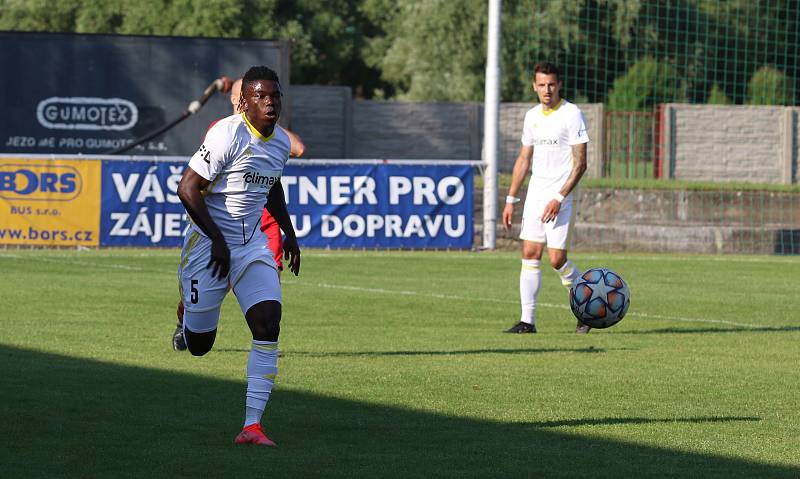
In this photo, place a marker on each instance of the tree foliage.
(769, 86)
(714, 50)
(647, 83)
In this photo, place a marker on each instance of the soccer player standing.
(223, 190)
(554, 150)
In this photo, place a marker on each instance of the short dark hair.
(547, 69)
(260, 73)
(255, 74)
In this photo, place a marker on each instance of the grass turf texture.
(394, 365)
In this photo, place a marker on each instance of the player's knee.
(557, 258)
(264, 319)
(199, 344)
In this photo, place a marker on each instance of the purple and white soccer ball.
(600, 298)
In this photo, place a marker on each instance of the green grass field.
(394, 365)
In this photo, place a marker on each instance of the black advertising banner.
(90, 94)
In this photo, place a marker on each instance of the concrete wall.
(699, 142)
(333, 125)
(321, 116)
(616, 220)
(731, 143)
(406, 130)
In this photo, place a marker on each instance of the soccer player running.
(554, 149)
(223, 190)
(268, 224)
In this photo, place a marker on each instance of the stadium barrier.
(91, 201)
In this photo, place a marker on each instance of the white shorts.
(252, 275)
(554, 233)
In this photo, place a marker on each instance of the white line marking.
(505, 301)
(65, 260)
(493, 256)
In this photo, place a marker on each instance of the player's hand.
(551, 211)
(508, 212)
(291, 253)
(220, 259)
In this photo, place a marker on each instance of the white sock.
(262, 367)
(530, 277)
(569, 273)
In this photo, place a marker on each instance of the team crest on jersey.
(248, 152)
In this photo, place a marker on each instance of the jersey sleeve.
(213, 154)
(576, 129)
(527, 129)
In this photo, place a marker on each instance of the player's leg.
(558, 236)
(530, 276)
(200, 330)
(259, 295)
(178, 340)
(565, 268)
(201, 295)
(274, 238)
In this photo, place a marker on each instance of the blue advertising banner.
(332, 206)
(139, 204)
(380, 205)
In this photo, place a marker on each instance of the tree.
(717, 96)
(769, 86)
(647, 83)
(432, 50)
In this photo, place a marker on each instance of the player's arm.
(297, 148)
(276, 205)
(578, 169)
(190, 193)
(521, 168)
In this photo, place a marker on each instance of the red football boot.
(253, 434)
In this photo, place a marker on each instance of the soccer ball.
(600, 298)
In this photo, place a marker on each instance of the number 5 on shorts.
(194, 297)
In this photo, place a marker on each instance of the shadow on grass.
(318, 354)
(764, 329)
(640, 420)
(67, 417)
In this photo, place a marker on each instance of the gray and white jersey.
(242, 165)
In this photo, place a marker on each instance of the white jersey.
(242, 165)
(552, 135)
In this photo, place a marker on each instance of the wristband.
(510, 200)
(559, 197)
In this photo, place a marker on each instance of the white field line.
(465, 255)
(456, 255)
(505, 301)
(67, 260)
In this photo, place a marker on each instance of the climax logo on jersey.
(84, 113)
(256, 178)
(43, 183)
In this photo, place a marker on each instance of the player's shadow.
(764, 329)
(78, 418)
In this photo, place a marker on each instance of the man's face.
(236, 94)
(262, 102)
(547, 86)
